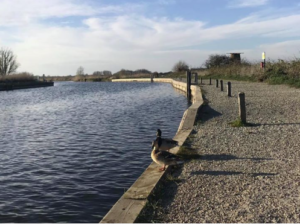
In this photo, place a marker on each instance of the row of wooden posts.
(241, 95)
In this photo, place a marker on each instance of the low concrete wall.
(15, 86)
(129, 206)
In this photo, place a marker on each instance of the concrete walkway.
(246, 174)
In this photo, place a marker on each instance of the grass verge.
(186, 152)
(154, 210)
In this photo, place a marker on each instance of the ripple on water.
(70, 151)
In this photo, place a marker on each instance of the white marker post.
(264, 59)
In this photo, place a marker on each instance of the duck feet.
(162, 168)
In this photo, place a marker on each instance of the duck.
(164, 144)
(164, 158)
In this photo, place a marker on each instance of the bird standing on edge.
(164, 144)
(164, 158)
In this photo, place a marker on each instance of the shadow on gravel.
(263, 174)
(266, 124)
(206, 112)
(262, 124)
(216, 173)
(228, 157)
(224, 173)
(161, 198)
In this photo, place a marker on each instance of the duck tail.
(179, 162)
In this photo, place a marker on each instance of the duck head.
(158, 133)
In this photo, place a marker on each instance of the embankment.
(24, 85)
(129, 206)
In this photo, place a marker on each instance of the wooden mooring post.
(209, 81)
(188, 83)
(221, 84)
(228, 88)
(217, 83)
(242, 107)
(151, 77)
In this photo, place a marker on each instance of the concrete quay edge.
(130, 205)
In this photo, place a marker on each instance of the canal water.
(69, 152)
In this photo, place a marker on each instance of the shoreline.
(129, 206)
(24, 85)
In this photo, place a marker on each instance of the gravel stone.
(245, 174)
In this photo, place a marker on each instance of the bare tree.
(80, 71)
(180, 66)
(8, 62)
(98, 73)
(105, 72)
(216, 60)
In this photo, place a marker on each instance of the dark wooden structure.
(236, 57)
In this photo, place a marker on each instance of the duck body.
(164, 158)
(164, 144)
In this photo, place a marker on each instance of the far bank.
(24, 85)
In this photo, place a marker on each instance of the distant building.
(236, 57)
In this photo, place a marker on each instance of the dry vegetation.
(91, 78)
(19, 77)
(276, 72)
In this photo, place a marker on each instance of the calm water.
(68, 152)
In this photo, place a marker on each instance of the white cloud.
(21, 12)
(247, 3)
(129, 41)
(282, 50)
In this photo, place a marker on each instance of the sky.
(55, 37)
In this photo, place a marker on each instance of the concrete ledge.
(129, 206)
(26, 85)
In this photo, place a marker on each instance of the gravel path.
(246, 174)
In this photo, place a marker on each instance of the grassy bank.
(79, 78)
(21, 81)
(17, 78)
(91, 78)
(276, 72)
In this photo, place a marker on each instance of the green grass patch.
(171, 178)
(237, 123)
(279, 80)
(176, 75)
(153, 211)
(187, 153)
(231, 77)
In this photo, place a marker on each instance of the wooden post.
(209, 81)
(196, 78)
(242, 107)
(228, 88)
(188, 83)
(217, 83)
(221, 84)
(151, 77)
(201, 80)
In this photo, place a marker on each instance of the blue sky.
(55, 37)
